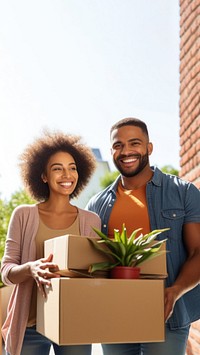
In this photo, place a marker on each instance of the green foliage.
(108, 179)
(127, 251)
(168, 169)
(6, 207)
(3, 226)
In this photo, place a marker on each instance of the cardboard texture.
(85, 311)
(72, 252)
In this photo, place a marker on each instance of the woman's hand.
(40, 271)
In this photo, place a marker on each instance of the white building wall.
(94, 185)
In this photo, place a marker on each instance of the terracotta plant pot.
(125, 272)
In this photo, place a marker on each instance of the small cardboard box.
(72, 252)
(85, 311)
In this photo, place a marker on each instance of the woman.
(54, 169)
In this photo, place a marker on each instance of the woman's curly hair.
(34, 159)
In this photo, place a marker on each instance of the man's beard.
(143, 162)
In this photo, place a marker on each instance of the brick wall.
(190, 90)
(190, 113)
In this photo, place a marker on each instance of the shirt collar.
(156, 179)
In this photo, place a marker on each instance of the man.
(143, 196)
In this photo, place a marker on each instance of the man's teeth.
(129, 160)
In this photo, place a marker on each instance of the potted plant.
(126, 253)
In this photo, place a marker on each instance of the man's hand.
(171, 296)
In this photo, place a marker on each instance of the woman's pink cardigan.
(21, 248)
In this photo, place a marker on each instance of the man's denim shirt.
(171, 202)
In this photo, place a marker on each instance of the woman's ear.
(44, 179)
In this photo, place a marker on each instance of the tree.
(169, 169)
(108, 178)
(6, 207)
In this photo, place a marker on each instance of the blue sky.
(81, 65)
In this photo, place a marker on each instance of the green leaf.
(112, 250)
(127, 251)
(123, 236)
(116, 235)
(149, 256)
(101, 266)
(100, 234)
(133, 235)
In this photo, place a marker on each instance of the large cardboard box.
(82, 311)
(72, 252)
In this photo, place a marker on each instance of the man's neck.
(135, 182)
